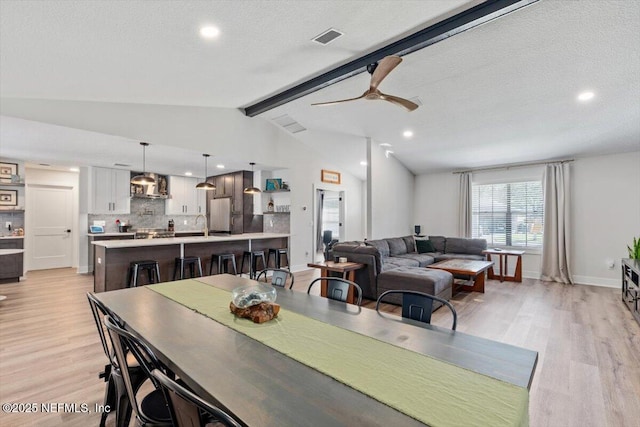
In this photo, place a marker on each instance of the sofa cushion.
(429, 281)
(438, 243)
(444, 257)
(381, 245)
(397, 246)
(401, 261)
(424, 246)
(458, 245)
(423, 259)
(410, 242)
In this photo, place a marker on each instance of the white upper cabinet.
(110, 191)
(185, 198)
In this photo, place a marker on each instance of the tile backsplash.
(15, 218)
(147, 213)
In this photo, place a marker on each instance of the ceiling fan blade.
(341, 100)
(385, 66)
(410, 106)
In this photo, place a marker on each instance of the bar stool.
(223, 263)
(278, 253)
(253, 262)
(190, 262)
(136, 267)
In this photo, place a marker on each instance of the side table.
(503, 255)
(346, 269)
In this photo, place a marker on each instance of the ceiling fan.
(379, 71)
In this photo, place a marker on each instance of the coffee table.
(465, 267)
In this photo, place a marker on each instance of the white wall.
(605, 203)
(606, 215)
(391, 192)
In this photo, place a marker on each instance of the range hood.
(159, 190)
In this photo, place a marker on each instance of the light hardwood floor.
(588, 372)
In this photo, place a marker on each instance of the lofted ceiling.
(504, 92)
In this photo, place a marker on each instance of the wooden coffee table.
(465, 267)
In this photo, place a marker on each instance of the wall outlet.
(102, 223)
(185, 222)
(7, 225)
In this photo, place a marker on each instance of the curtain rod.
(515, 165)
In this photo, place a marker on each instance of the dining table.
(322, 362)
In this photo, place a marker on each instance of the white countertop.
(11, 237)
(132, 243)
(11, 251)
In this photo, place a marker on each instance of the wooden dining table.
(262, 386)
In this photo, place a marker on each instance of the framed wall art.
(274, 184)
(8, 197)
(7, 170)
(331, 177)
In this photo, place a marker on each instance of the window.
(508, 214)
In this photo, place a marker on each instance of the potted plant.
(634, 250)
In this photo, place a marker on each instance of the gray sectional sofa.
(395, 263)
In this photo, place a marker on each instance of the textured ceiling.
(501, 93)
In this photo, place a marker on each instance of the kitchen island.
(113, 257)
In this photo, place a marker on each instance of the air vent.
(121, 165)
(287, 122)
(327, 37)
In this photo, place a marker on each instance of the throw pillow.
(424, 246)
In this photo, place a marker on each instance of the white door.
(52, 236)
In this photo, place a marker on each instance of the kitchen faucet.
(206, 224)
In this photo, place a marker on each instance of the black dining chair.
(188, 409)
(338, 288)
(115, 391)
(418, 305)
(279, 277)
(151, 409)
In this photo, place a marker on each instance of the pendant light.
(143, 179)
(252, 189)
(207, 186)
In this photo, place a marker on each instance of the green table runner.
(431, 391)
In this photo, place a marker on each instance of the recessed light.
(209, 32)
(74, 169)
(385, 144)
(586, 96)
(188, 173)
(407, 133)
(363, 163)
(220, 166)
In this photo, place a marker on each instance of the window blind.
(508, 214)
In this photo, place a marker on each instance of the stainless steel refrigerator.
(220, 215)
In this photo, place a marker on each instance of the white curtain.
(464, 222)
(555, 246)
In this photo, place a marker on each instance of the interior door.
(52, 236)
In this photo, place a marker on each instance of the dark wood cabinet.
(232, 185)
(631, 286)
(11, 266)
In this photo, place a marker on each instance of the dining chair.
(338, 288)
(151, 409)
(418, 305)
(279, 277)
(188, 409)
(115, 391)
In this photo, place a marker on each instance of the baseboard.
(83, 269)
(298, 268)
(597, 281)
(581, 280)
